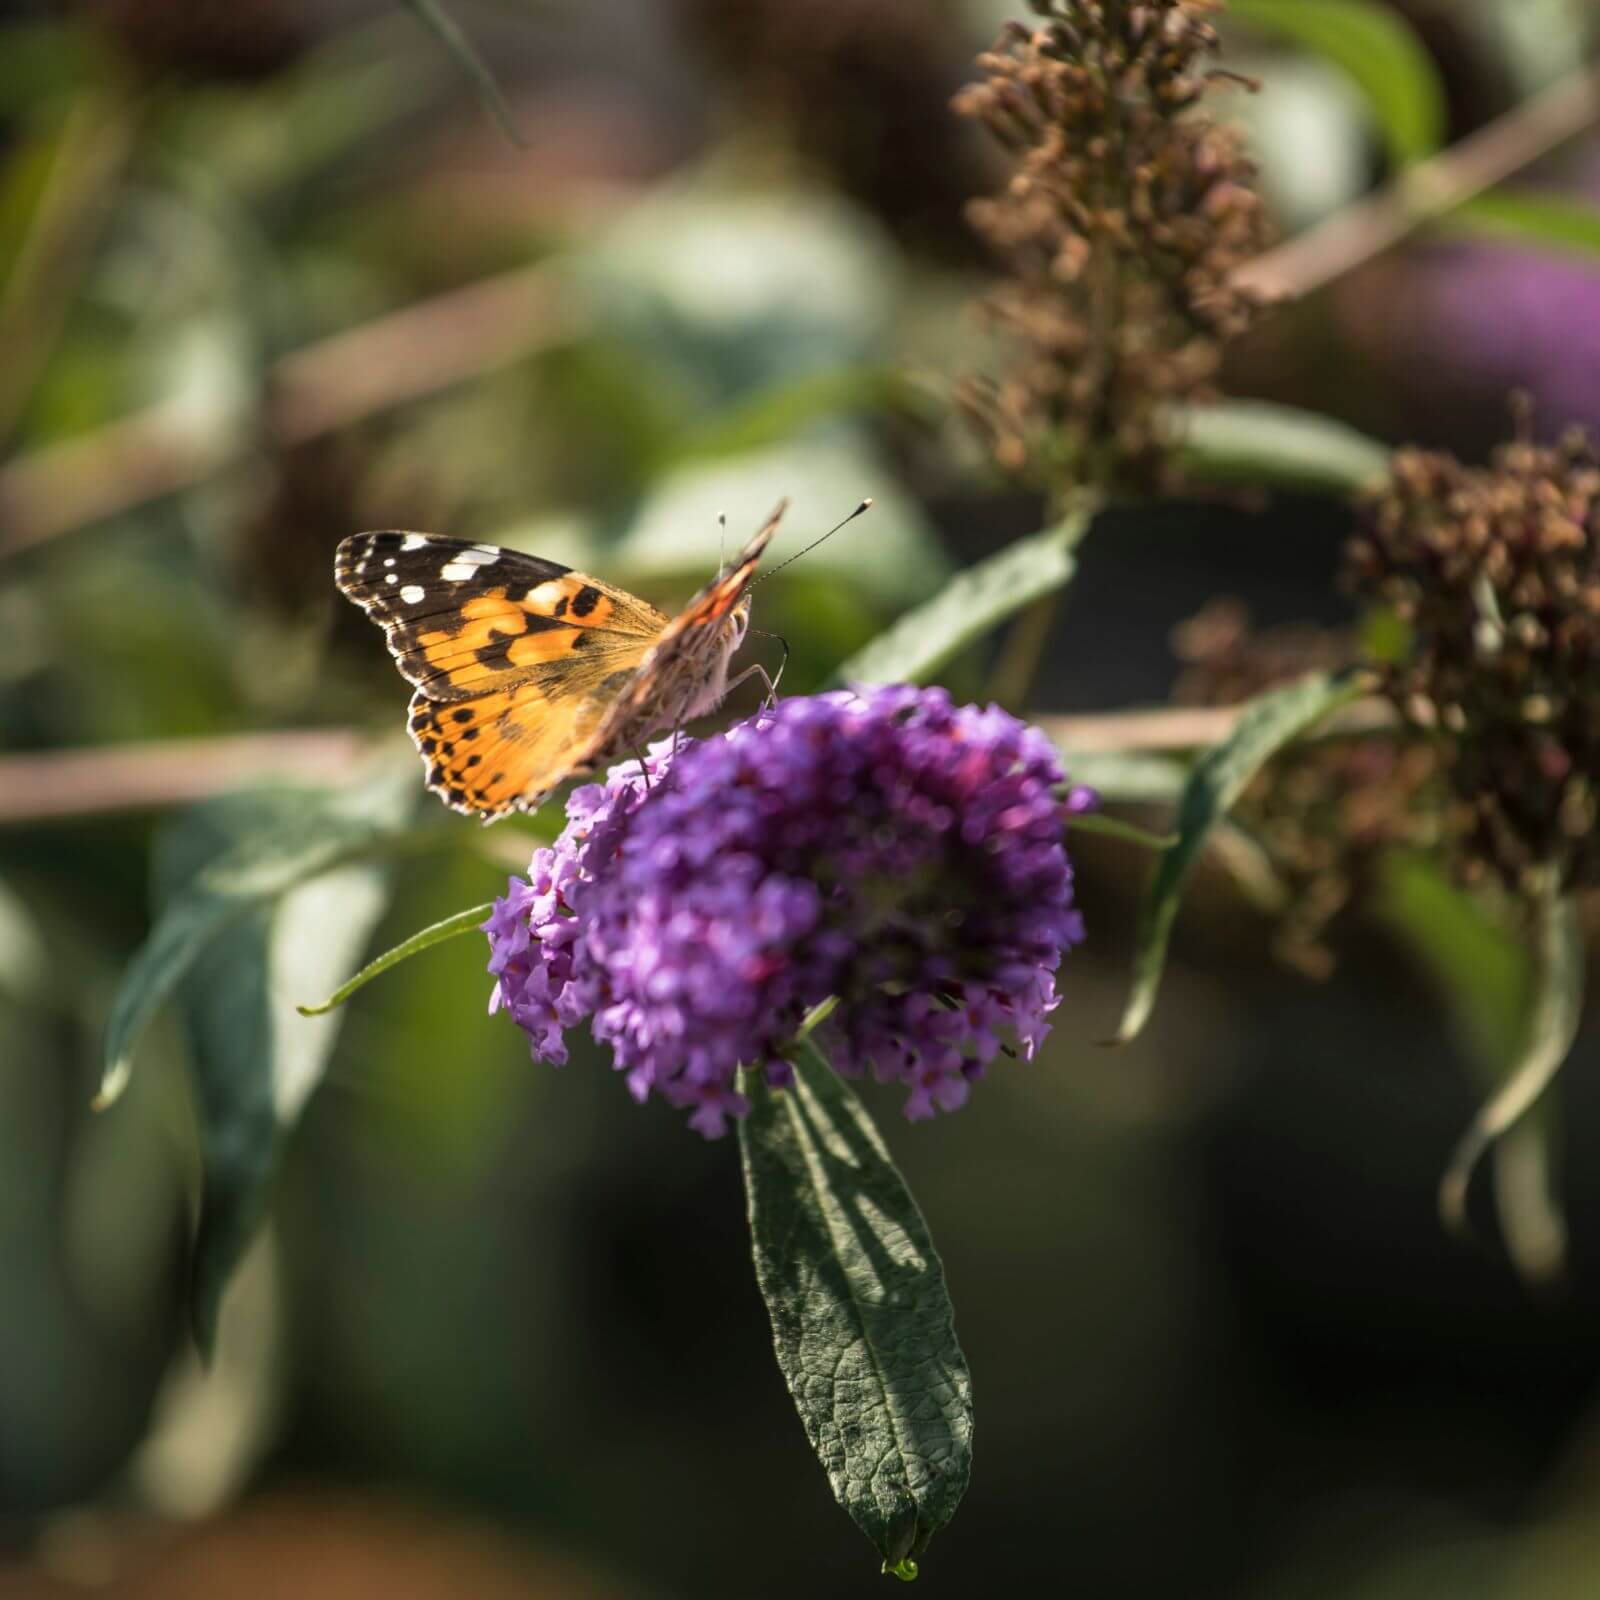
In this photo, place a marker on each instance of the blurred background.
(271, 273)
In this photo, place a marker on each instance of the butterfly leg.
(773, 682)
(644, 769)
(756, 670)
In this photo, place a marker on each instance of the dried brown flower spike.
(1496, 570)
(1127, 213)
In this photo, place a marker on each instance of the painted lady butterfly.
(528, 673)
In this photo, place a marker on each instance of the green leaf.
(1381, 53)
(462, 922)
(448, 31)
(1256, 443)
(1481, 966)
(254, 870)
(927, 636)
(861, 1321)
(254, 1061)
(1524, 216)
(1552, 1025)
(1267, 723)
(1485, 972)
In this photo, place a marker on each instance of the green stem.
(461, 922)
(1116, 828)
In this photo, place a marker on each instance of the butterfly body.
(527, 673)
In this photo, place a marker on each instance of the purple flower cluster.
(898, 854)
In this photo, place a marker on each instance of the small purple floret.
(884, 848)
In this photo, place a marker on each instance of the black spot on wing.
(585, 600)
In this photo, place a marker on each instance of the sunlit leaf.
(972, 603)
(1267, 723)
(861, 1321)
(1255, 443)
(254, 1061)
(253, 871)
(1379, 50)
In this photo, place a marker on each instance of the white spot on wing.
(388, 561)
(546, 594)
(411, 594)
(389, 577)
(413, 541)
(465, 562)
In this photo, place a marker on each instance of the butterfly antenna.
(865, 505)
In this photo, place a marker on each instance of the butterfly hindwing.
(501, 751)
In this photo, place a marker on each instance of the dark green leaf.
(254, 1061)
(861, 1322)
(1266, 725)
(1545, 221)
(1552, 1025)
(1381, 53)
(1256, 443)
(926, 637)
(447, 30)
(462, 922)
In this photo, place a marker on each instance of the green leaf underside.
(1257, 443)
(1267, 723)
(254, 1062)
(1552, 1025)
(1542, 221)
(928, 636)
(254, 871)
(449, 33)
(861, 1321)
(1378, 50)
(425, 938)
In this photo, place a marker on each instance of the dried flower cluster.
(887, 850)
(1127, 214)
(1496, 571)
(1324, 812)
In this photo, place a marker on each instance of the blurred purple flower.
(884, 848)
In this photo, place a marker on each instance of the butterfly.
(528, 673)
